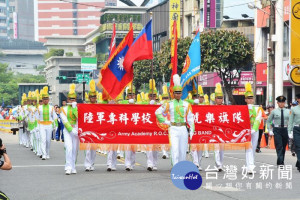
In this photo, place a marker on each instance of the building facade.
(17, 19)
(22, 56)
(66, 18)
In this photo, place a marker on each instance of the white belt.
(297, 125)
(279, 126)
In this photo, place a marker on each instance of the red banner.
(137, 124)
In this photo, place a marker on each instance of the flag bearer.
(181, 115)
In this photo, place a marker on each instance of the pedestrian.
(69, 116)
(280, 118)
(60, 126)
(180, 118)
(294, 129)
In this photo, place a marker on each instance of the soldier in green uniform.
(280, 118)
(294, 129)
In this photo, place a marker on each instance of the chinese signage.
(175, 15)
(88, 64)
(295, 76)
(241, 91)
(294, 34)
(15, 20)
(137, 124)
(210, 14)
(261, 72)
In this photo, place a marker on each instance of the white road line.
(26, 166)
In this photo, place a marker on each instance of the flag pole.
(152, 58)
(132, 63)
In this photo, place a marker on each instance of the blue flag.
(191, 67)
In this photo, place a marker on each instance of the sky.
(234, 9)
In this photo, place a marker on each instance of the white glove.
(74, 104)
(131, 101)
(74, 132)
(291, 135)
(271, 133)
(167, 122)
(191, 135)
(152, 102)
(196, 101)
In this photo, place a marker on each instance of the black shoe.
(293, 154)
(109, 169)
(257, 150)
(41, 156)
(164, 157)
(150, 169)
(62, 140)
(118, 157)
(127, 169)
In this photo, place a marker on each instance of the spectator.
(6, 164)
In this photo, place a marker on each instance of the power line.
(231, 6)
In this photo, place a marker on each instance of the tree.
(9, 84)
(225, 52)
(161, 63)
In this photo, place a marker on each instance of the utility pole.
(279, 49)
(271, 50)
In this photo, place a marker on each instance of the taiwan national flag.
(114, 75)
(141, 49)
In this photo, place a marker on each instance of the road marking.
(79, 165)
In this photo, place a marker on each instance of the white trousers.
(38, 141)
(197, 157)
(71, 148)
(250, 153)
(90, 157)
(152, 157)
(111, 159)
(32, 138)
(45, 132)
(179, 141)
(20, 136)
(129, 159)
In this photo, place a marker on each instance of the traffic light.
(61, 78)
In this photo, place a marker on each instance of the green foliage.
(54, 52)
(9, 84)
(70, 54)
(84, 54)
(225, 52)
(40, 68)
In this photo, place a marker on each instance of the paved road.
(34, 179)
